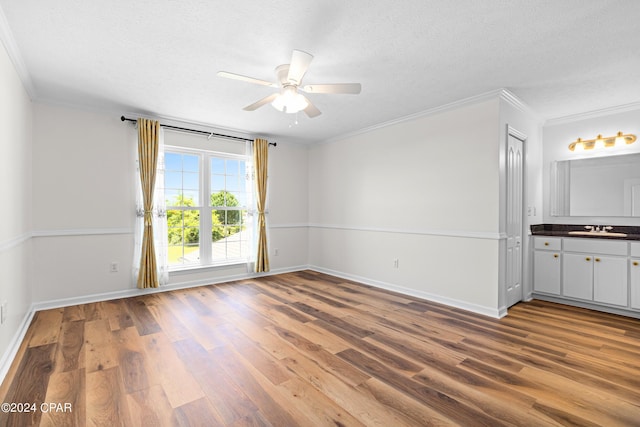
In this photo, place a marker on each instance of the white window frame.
(205, 209)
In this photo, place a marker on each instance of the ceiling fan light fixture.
(290, 76)
(289, 100)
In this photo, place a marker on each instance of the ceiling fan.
(289, 99)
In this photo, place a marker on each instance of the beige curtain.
(260, 160)
(148, 148)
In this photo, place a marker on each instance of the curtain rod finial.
(122, 119)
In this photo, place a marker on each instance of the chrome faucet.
(598, 229)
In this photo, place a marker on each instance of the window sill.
(193, 268)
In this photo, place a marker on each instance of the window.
(208, 196)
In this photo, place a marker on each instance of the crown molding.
(501, 93)
(511, 99)
(593, 114)
(6, 36)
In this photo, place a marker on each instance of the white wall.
(425, 192)
(83, 202)
(16, 117)
(84, 206)
(557, 135)
(288, 206)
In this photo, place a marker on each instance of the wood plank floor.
(307, 349)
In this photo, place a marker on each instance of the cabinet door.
(610, 280)
(546, 272)
(635, 282)
(577, 276)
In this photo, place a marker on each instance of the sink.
(597, 234)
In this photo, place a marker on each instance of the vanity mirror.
(600, 186)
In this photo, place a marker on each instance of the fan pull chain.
(295, 121)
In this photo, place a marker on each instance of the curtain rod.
(201, 132)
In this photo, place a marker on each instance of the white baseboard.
(14, 345)
(107, 296)
(486, 311)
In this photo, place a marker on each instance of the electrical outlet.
(396, 263)
(276, 252)
(114, 267)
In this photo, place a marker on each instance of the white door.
(515, 165)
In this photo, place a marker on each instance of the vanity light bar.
(603, 142)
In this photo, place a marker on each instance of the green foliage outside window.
(224, 222)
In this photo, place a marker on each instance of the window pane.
(217, 165)
(217, 225)
(172, 162)
(191, 198)
(234, 218)
(183, 229)
(233, 167)
(181, 179)
(217, 199)
(234, 246)
(190, 163)
(217, 183)
(190, 181)
(173, 179)
(235, 199)
(172, 197)
(233, 183)
(242, 199)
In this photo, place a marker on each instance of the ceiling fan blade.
(348, 88)
(234, 76)
(263, 101)
(311, 109)
(298, 67)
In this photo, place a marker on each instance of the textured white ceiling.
(160, 58)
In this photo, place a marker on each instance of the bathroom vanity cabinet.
(589, 272)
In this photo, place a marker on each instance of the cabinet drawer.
(595, 246)
(549, 243)
(635, 249)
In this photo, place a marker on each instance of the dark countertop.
(562, 230)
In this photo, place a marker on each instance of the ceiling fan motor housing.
(282, 73)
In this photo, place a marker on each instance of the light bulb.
(289, 100)
(620, 142)
(599, 142)
(579, 147)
